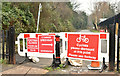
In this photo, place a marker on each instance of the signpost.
(83, 46)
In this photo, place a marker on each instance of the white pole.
(40, 6)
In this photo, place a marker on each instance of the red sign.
(65, 35)
(46, 44)
(84, 46)
(26, 35)
(103, 36)
(102, 31)
(37, 35)
(32, 45)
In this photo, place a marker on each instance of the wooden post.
(0, 43)
(3, 53)
(117, 33)
(7, 44)
(117, 26)
(112, 48)
(12, 45)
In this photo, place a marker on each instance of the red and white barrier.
(88, 46)
(38, 44)
(74, 45)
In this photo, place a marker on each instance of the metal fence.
(2, 42)
(7, 45)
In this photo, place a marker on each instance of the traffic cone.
(95, 64)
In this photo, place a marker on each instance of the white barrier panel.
(39, 44)
(88, 46)
(74, 45)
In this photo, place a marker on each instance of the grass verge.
(57, 68)
(94, 31)
(2, 61)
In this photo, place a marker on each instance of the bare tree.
(75, 5)
(118, 8)
(101, 10)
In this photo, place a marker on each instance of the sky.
(87, 5)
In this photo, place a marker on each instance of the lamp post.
(40, 6)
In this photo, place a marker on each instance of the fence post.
(0, 42)
(112, 48)
(3, 53)
(118, 49)
(12, 45)
(57, 59)
(7, 44)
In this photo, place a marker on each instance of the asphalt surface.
(29, 67)
(44, 62)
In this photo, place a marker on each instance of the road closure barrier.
(73, 45)
(39, 44)
(88, 46)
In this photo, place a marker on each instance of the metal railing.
(7, 45)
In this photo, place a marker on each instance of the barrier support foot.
(53, 62)
(104, 66)
(25, 60)
(66, 63)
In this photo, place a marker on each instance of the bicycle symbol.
(83, 39)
